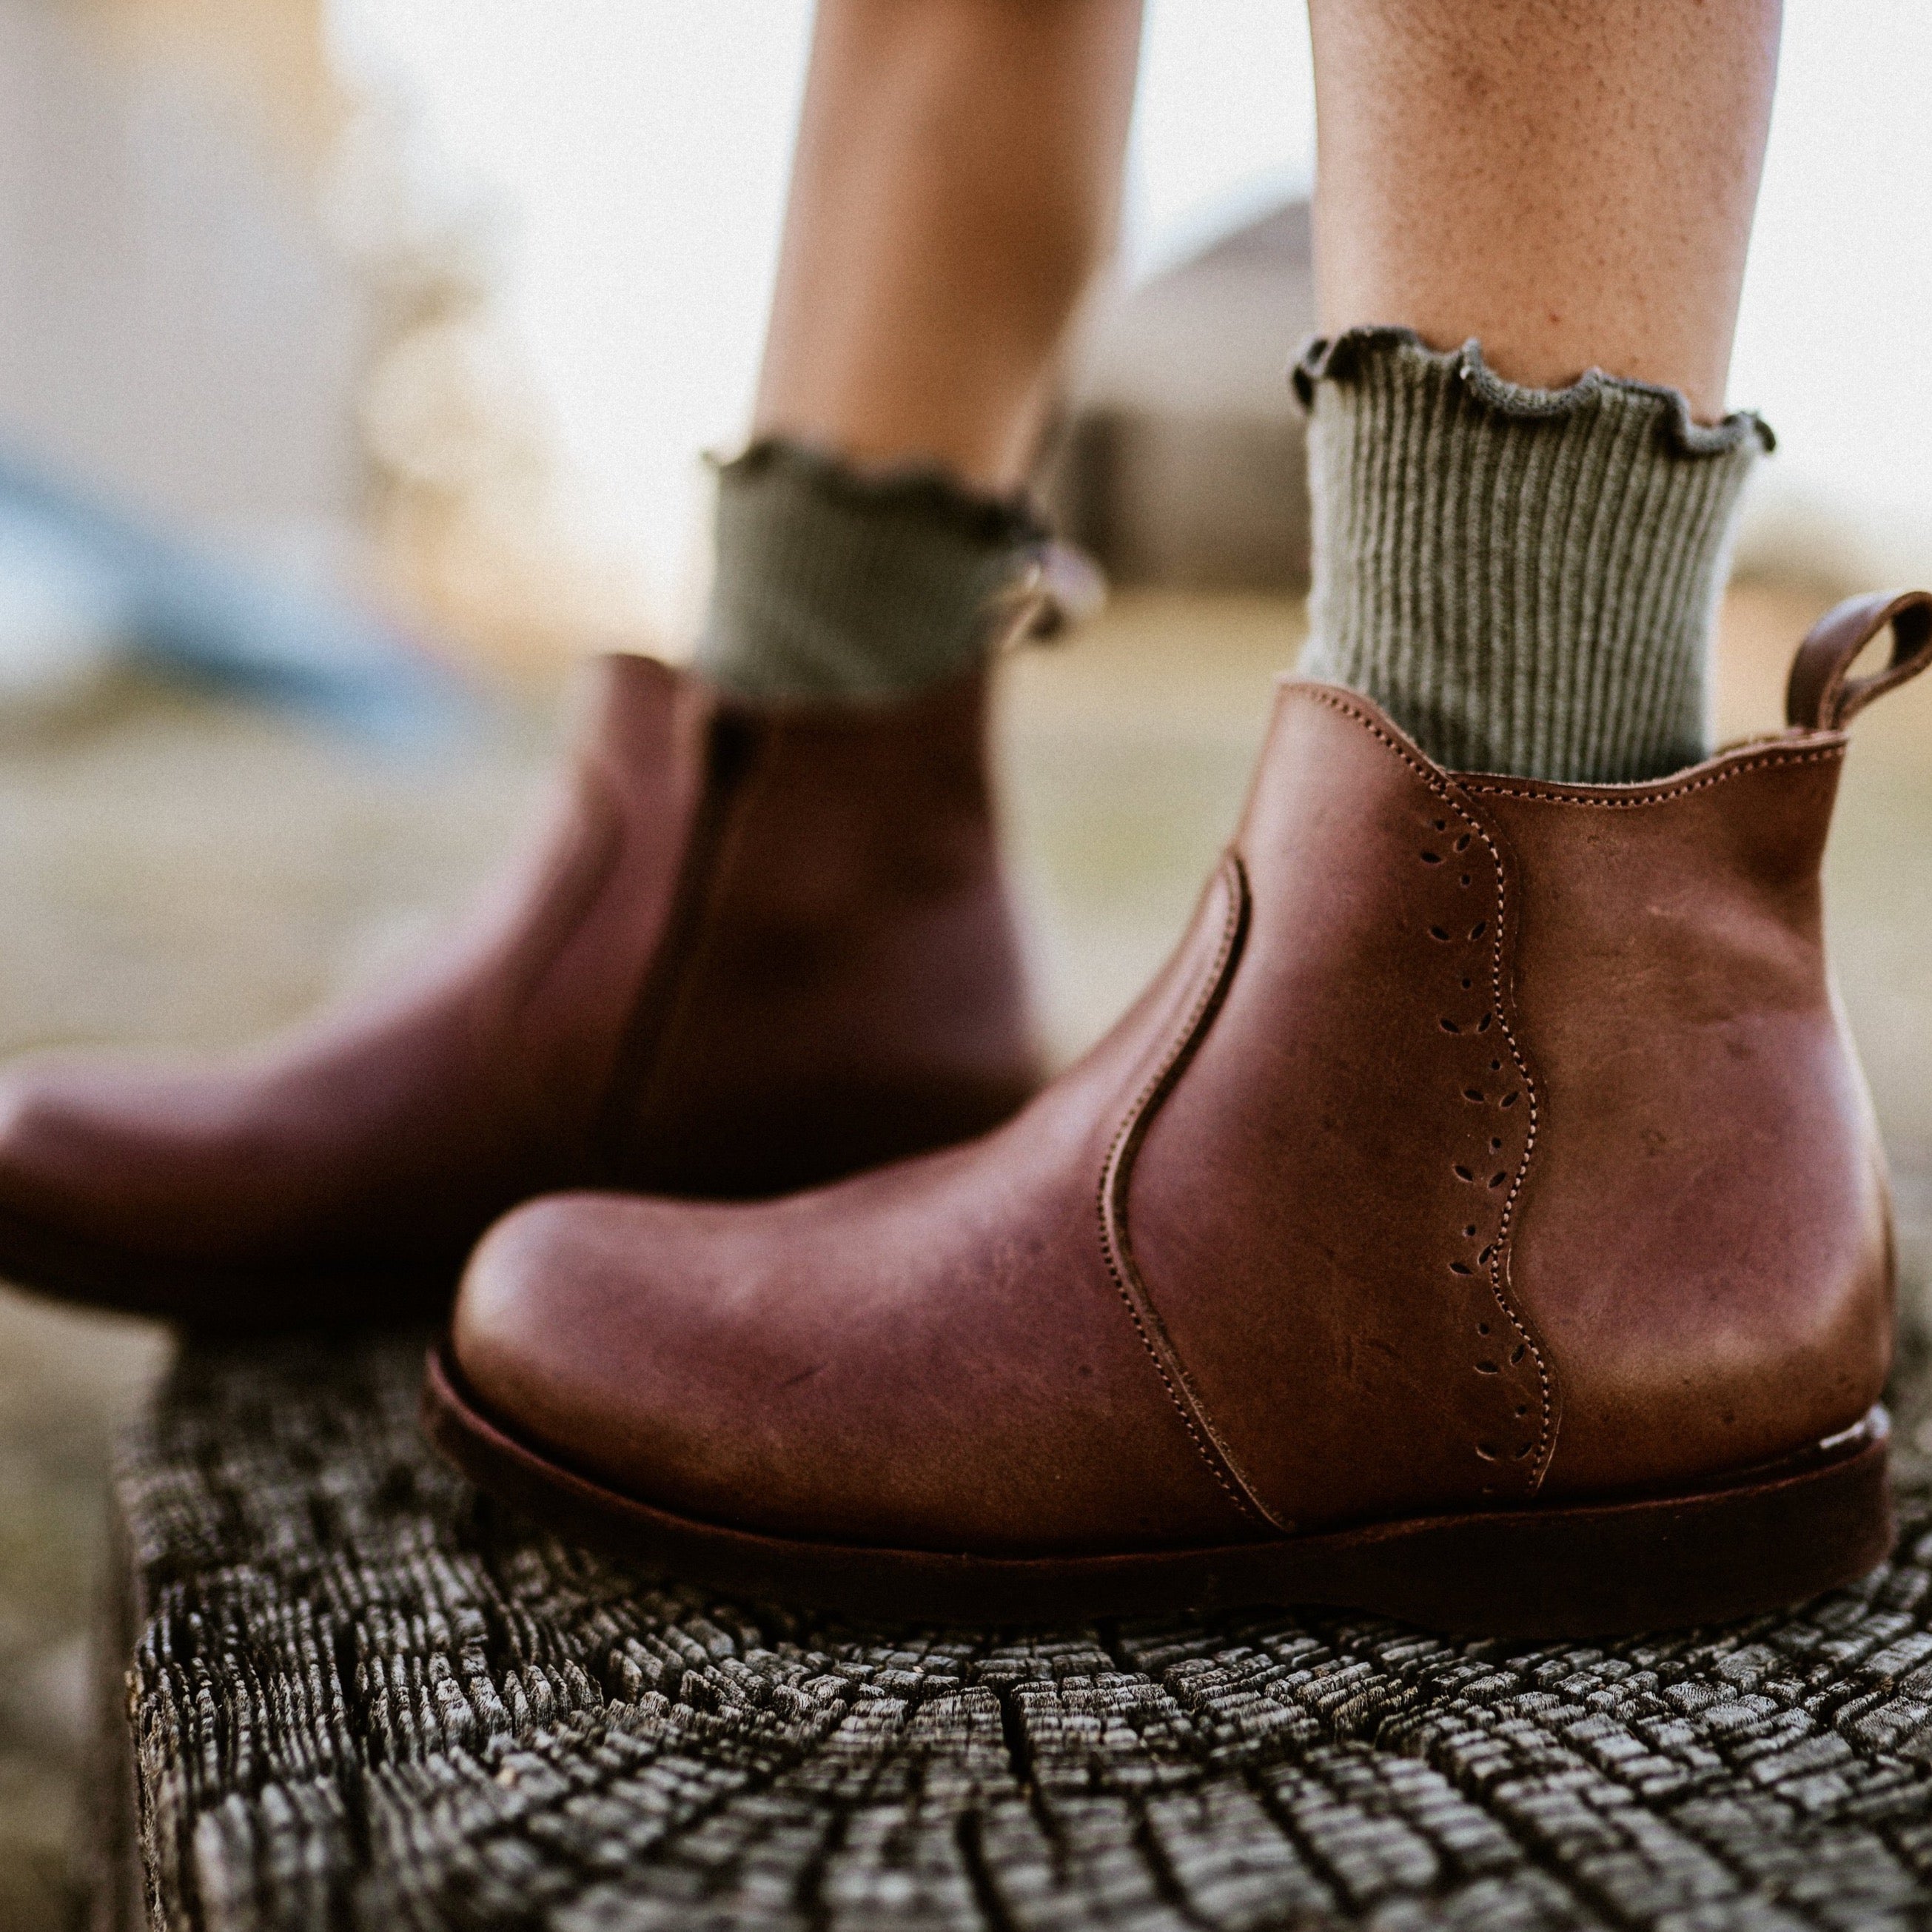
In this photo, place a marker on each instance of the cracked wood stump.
(361, 1697)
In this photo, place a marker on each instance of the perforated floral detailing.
(1493, 1128)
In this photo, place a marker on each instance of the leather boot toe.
(760, 1370)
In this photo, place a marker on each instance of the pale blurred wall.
(643, 144)
(640, 149)
(173, 325)
(1834, 344)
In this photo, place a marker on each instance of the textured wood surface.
(361, 1697)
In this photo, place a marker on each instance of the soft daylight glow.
(639, 148)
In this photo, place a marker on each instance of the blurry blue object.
(84, 586)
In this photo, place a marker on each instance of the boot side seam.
(667, 985)
(1116, 1171)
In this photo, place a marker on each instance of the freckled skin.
(1571, 181)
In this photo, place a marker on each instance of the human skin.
(1571, 182)
(956, 186)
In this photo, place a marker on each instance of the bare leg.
(1571, 181)
(1526, 584)
(955, 185)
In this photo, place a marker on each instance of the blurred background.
(356, 359)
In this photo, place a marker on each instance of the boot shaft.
(839, 963)
(1529, 1116)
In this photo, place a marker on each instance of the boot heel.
(1658, 1563)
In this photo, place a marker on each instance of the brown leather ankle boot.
(1481, 1220)
(764, 946)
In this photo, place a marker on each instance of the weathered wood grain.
(361, 1697)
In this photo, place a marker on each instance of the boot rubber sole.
(1773, 1537)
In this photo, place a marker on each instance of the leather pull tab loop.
(1820, 696)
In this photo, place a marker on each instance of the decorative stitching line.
(1114, 1171)
(1767, 761)
(1445, 787)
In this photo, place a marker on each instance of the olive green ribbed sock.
(1524, 580)
(835, 583)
